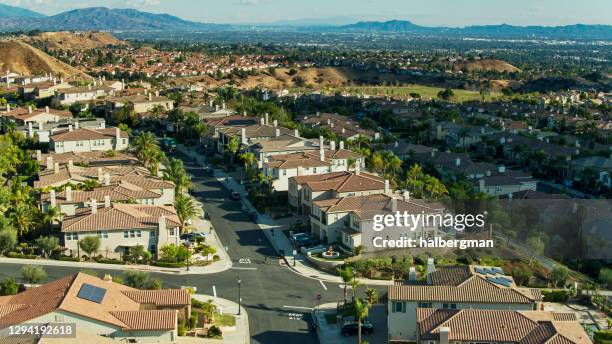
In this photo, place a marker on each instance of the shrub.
(169, 264)
(110, 261)
(602, 336)
(69, 259)
(140, 280)
(216, 258)
(8, 240)
(33, 274)
(90, 245)
(215, 332)
(8, 287)
(181, 327)
(193, 320)
(21, 256)
(521, 276)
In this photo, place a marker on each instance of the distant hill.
(578, 31)
(74, 40)
(484, 65)
(12, 11)
(23, 58)
(104, 19)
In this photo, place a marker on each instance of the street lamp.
(239, 299)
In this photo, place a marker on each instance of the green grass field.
(422, 90)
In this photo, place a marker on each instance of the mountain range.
(105, 19)
(12, 11)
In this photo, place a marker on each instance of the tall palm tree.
(22, 218)
(186, 209)
(361, 311)
(49, 217)
(371, 295)
(147, 151)
(347, 276)
(175, 172)
(249, 159)
(232, 147)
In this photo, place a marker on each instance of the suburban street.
(277, 299)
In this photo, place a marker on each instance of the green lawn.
(224, 320)
(404, 91)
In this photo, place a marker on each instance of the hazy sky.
(424, 12)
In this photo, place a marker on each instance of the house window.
(126, 234)
(124, 141)
(172, 232)
(153, 234)
(424, 305)
(72, 236)
(102, 234)
(453, 306)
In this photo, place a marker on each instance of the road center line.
(323, 285)
(237, 268)
(298, 307)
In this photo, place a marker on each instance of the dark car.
(234, 196)
(351, 329)
(308, 243)
(254, 216)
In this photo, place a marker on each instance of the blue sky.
(423, 12)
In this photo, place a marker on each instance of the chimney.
(300, 171)
(277, 132)
(76, 125)
(30, 129)
(318, 114)
(47, 109)
(296, 133)
(357, 169)
(94, 206)
(89, 87)
(107, 179)
(162, 224)
(102, 124)
(49, 162)
(100, 174)
(122, 84)
(244, 114)
(38, 155)
(157, 93)
(412, 275)
(216, 108)
(56, 167)
(481, 185)
(341, 144)
(457, 161)
(53, 200)
(117, 137)
(275, 123)
(501, 169)
(321, 149)
(396, 144)
(41, 126)
(107, 278)
(107, 201)
(267, 119)
(406, 196)
(262, 121)
(444, 335)
(68, 192)
(70, 127)
(243, 136)
(70, 164)
(343, 130)
(210, 103)
(8, 107)
(332, 145)
(224, 106)
(150, 97)
(29, 108)
(386, 186)
(431, 267)
(393, 205)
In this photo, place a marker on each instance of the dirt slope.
(24, 59)
(485, 65)
(74, 40)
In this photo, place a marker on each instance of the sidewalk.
(273, 231)
(234, 335)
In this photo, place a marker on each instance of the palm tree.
(147, 151)
(186, 209)
(354, 284)
(22, 218)
(371, 295)
(347, 276)
(232, 147)
(49, 217)
(175, 172)
(361, 311)
(248, 158)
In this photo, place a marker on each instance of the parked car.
(307, 242)
(234, 196)
(254, 216)
(351, 329)
(299, 236)
(192, 236)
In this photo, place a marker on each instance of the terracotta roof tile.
(147, 320)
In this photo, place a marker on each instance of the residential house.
(29, 116)
(599, 167)
(349, 220)
(122, 226)
(247, 135)
(342, 126)
(87, 140)
(306, 189)
(454, 288)
(57, 176)
(69, 96)
(445, 326)
(94, 158)
(97, 308)
(309, 162)
(149, 191)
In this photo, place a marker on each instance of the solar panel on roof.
(479, 270)
(91, 293)
(499, 271)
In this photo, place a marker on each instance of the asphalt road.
(277, 299)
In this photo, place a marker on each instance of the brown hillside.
(23, 58)
(486, 65)
(74, 41)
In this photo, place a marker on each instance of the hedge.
(601, 337)
(556, 295)
(110, 261)
(169, 264)
(69, 259)
(21, 256)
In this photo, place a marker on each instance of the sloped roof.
(88, 134)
